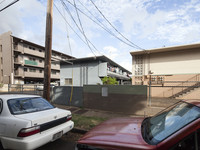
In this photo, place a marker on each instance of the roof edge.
(166, 49)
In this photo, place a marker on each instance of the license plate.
(57, 136)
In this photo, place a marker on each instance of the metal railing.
(26, 88)
(177, 88)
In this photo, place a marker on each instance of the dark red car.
(176, 128)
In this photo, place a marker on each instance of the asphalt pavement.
(67, 142)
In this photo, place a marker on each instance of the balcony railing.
(117, 75)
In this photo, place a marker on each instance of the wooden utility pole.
(48, 47)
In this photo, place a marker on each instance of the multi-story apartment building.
(22, 61)
(90, 71)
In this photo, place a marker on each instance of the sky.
(113, 28)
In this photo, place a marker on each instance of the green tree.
(109, 81)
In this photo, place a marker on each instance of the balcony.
(18, 61)
(55, 76)
(18, 48)
(55, 67)
(40, 75)
(118, 75)
(18, 73)
(33, 74)
(34, 52)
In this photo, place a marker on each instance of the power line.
(68, 23)
(82, 28)
(69, 44)
(67, 9)
(114, 27)
(9, 5)
(72, 27)
(101, 24)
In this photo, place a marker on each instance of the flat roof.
(166, 49)
(95, 58)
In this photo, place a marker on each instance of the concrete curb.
(80, 131)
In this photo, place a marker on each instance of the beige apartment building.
(22, 62)
(174, 72)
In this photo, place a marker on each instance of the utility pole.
(48, 47)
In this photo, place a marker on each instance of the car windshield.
(28, 105)
(164, 124)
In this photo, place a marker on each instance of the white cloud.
(111, 52)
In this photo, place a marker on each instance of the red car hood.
(118, 133)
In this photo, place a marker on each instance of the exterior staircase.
(187, 90)
(195, 83)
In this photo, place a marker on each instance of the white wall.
(82, 74)
(174, 62)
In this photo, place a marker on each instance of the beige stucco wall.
(195, 94)
(6, 41)
(175, 62)
(172, 62)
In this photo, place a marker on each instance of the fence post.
(182, 86)
(150, 90)
(22, 88)
(8, 87)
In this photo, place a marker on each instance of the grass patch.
(86, 123)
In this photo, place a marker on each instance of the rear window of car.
(28, 105)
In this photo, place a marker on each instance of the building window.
(0, 48)
(25, 46)
(53, 72)
(138, 80)
(68, 81)
(153, 79)
(32, 59)
(160, 79)
(40, 71)
(54, 54)
(40, 60)
(32, 48)
(32, 70)
(40, 50)
(25, 69)
(1, 60)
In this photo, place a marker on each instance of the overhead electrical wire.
(86, 39)
(72, 86)
(71, 26)
(9, 5)
(101, 24)
(114, 27)
(67, 34)
(67, 9)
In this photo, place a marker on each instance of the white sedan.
(29, 121)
